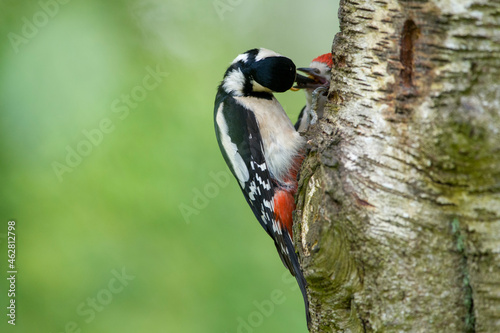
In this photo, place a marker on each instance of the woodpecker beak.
(312, 80)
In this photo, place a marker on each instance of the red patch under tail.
(284, 201)
(284, 205)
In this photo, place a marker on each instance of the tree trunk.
(399, 197)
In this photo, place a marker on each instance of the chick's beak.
(312, 80)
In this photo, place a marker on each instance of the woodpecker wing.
(241, 145)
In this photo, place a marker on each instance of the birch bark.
(399, 198)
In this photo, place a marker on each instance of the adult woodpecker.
(316, 86)
(261, 146)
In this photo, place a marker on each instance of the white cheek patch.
(237, 162)
(234, 82)
(258, 87)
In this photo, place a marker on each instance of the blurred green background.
(108, 157)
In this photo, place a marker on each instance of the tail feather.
(299, 276)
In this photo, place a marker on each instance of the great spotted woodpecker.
(261, 146)
(316, 86)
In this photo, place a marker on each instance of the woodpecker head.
(318, 73)
(259, 72)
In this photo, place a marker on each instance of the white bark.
(399, 198)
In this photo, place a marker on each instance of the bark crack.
(408, 37)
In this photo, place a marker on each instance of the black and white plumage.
(260, 145)
(316, 86)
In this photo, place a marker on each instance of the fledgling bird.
(316, 86)
(260, 145)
